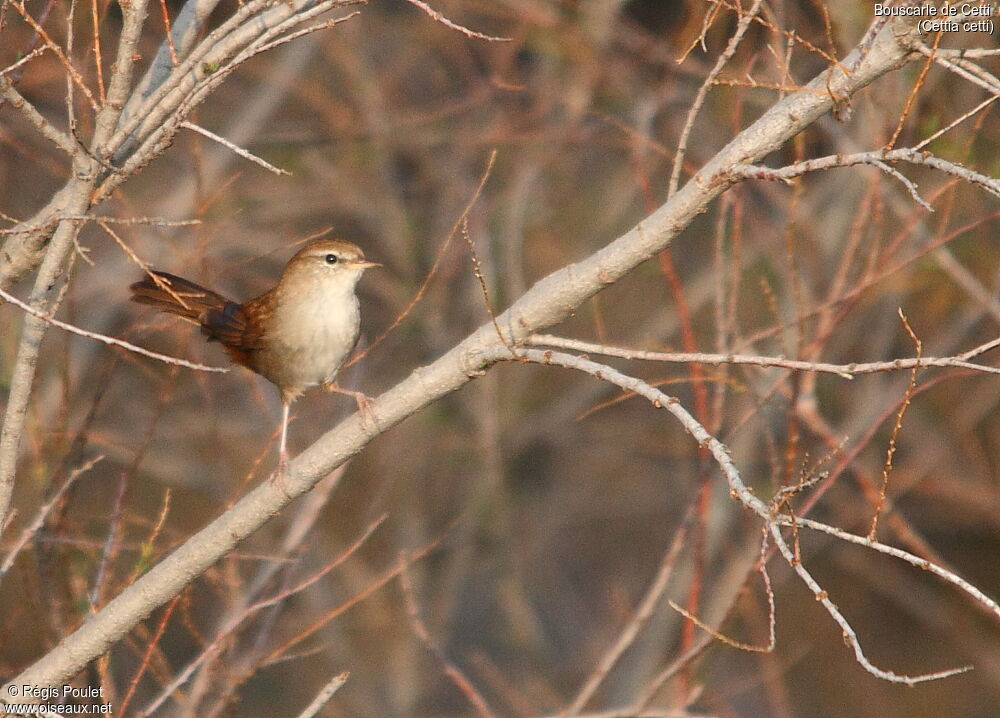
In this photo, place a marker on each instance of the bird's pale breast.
(311, 333)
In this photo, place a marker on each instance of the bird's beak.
(366, 264)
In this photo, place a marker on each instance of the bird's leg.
(282, 447)
(363, 401)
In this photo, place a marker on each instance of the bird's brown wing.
(234, 325)
(240, 329)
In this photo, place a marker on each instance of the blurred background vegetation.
(547, 500)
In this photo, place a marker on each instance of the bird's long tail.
(187, 300)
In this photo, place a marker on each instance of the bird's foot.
(281, 473)
(366, 405)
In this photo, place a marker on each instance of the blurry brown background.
(551, 524)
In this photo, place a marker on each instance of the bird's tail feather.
(186, 299)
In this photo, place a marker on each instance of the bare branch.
(45, 128)
(783, 174)
(324, 696)
(910, 186)
(963, 68)
(438, 17)
(24, 60)
(152, 221)
(238, 150)
(845, 371)
(947, 128)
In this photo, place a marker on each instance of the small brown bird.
(296, 335)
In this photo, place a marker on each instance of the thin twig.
(912, 97)
(699, 100)
(439, 258)
(109, 543)
(917, 561)
(147, 655)
(706, 24)
(754, 84)
(972, 52)
(235, 148)
(477, 269)
(438, 17)
(151, 221)
(168, 33)
(372, 587)
(719, 635)
(147, 546)
(98, 61)
(905, 181)
(630, 632)
(324, 696)
(24, 60)
(42, 514)
(453, 672)
(156, 122)
(974, 111)
(890, 451)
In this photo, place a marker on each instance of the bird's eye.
(331, 258)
